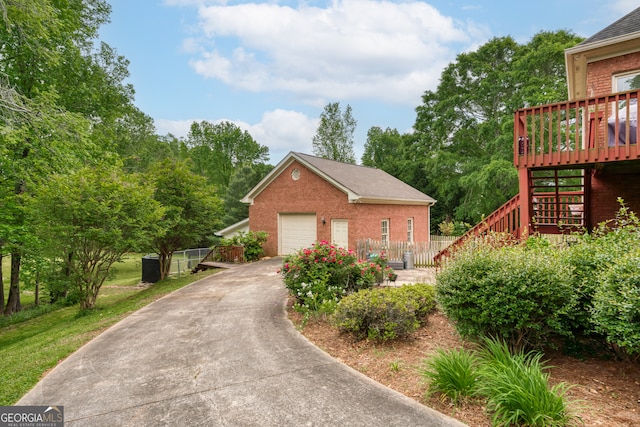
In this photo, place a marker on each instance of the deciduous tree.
(192, 209)
(89, 219)
(334, 137)
(217, 150)
(464, 129)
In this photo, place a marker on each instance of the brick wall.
(599, 73)
(312, 194)
(605, 190)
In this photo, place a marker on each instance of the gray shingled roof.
(366, 182)
(628, 24)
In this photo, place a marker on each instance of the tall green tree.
(464, 129)
(89, 219)
(192, 209)
(73, 93)
(334, 136)
(380, 150)
(217, 150)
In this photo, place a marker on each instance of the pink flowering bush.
(319, 276)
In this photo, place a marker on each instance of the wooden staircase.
(504, 219)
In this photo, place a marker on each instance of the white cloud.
(283, 131)
(280, 130)
(178, 128)
(355, 49)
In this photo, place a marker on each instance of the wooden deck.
(578, 133)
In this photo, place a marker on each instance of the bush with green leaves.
(452, 373)
(512, 292)
(423, 294)
(616, 304)
(252, 242)
(591, 257)
(384, 313)
(517, 388)
(321, 275)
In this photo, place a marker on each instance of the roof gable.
(361, 184)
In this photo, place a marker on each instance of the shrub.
(452, 373)
(616, 305)
(511, 292)
(385, 313)
(590, 259)
(252, 242)
(321, 275)
(425, 296)
(517, 388)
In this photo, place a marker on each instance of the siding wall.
(312, 194)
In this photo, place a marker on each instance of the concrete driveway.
(220, 352)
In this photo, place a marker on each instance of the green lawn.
(31, 344)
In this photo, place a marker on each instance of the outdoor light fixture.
(323, 221)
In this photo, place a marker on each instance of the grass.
(515, 386)
(36, 340)
(453, 374)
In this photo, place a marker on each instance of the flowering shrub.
(318, 277)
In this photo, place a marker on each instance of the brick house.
(305, 199)
(576, 158)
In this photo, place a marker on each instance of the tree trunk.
(165, 264)
(37, 302)
(13, 302)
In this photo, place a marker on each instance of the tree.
(464, 130)
(243, 180)
(334, 136)
(192, 209)
(380, 150)
(63, 97)
(217, 150)
(89, 219)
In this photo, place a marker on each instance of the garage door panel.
(297, 231)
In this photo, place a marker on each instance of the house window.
(385, 231)
(626, 81)
(410, 230)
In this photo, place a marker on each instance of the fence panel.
(184, 261)
(423, 252)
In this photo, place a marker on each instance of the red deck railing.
(504, 219)
(550, 212)
(591, 130)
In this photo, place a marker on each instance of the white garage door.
(297, 231)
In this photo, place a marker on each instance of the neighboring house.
(305, 199)
(576, 158)
(234, 229)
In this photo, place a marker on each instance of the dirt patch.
(605, 392)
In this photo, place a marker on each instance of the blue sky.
(271, 66)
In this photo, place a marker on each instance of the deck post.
(525, 203)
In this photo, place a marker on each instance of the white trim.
(616, 77)
(233, 228)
